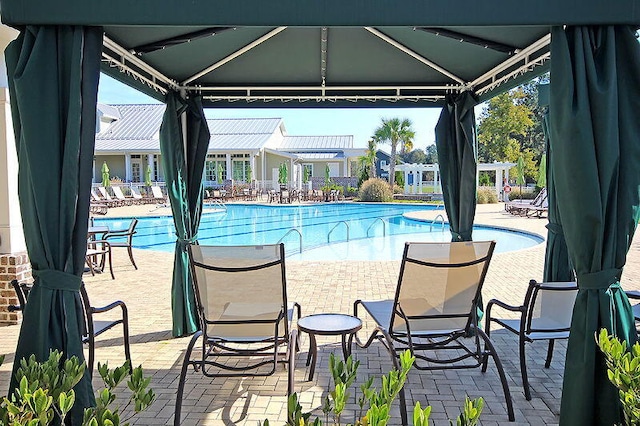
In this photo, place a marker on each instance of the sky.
(359, 122)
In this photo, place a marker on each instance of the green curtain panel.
(595, 141)
(183, 163)
(53, 81)
(457, 158)
(556, 260)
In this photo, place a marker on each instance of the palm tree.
(392, 131)
(368, 160)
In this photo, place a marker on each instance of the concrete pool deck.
(247, 400)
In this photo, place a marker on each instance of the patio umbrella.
(542, 172)
(147, 176)
(305, 175)
(184, 187)
(283, 174)
(456, 145)
(249, 175)
(327, 175)
(106, 180)
(595, 140)
(54, 182)
(220, 175)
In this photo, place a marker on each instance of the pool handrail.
(384, 226)
(289, 232)
(335, 226)
(435, 220)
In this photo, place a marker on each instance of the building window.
(215, 168)
(241, 169)
(383, 163)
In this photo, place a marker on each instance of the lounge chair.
(436, 309)
(520, 207)
(537, 211)
(127, 235)
(91, 327)
(117, 191)
(544, 315)
(137, 196)
(241, 299)
(108, 199)
(158, 197)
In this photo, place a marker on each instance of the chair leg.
(503, 377)
(547, 363)
(92, 352)
(125, 332)
(396, 365)
(523, 370)
(113, 277)
(133, 262)
(487, 332)
(291, 362)
(183, 373)
(89, 263)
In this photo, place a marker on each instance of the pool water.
(375, 231)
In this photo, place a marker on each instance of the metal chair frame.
(128, 233)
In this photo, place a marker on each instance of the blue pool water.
(369, 238)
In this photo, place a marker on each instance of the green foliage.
(283, 173)
(375, 190)
(516, 194)
(484, 179)
(395, 131)
(417, 156)
(367, 162)
(487, 196)
(45, 393)
(623, 370)
(432, 154)
(399, 181)
(378, 401)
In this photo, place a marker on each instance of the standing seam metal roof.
(316, 142)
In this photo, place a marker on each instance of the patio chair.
(99, 249)
(138, 198)
(117, 191)
(435, 311)
(241, 299)
(158, 196)
(91, 327)
(520, 207)
(127, 235)
(634, 295)
(544, 315)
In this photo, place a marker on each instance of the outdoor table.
(328, 325)
(96, 230)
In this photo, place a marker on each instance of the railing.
(336, 225)
(217, 203)
(435, 220)
(384, 226)
(289, 232)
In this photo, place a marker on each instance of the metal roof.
(238, 142)
(320, 156)
(292, 143)
(137, 123)
(127, 145)
(236, 126)
(108, 111)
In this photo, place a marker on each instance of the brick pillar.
(12, 266)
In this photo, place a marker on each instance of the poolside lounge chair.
(520, 207)
(108, 199)
(241, 299)
(544, 315)
(537, 211)
(158, 197)
(435, 310)
(117, 191)
(137, 196)
(91, 327)
(127, 235)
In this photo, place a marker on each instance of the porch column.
(346, 171)
(407, 190)
(127, 167)
(150, 159)
(420, 179)
(435, 181)
(93, 171)
(499, 182)
(252, 164)
(229, 165)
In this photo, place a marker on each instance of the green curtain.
(183, 163)
(556, 260)
(53, 82)
(595, 139)
(457, 158)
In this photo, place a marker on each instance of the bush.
(516, 195)
(376, 190)
(399, 180)
(487, 196)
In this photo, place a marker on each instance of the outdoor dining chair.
(241, 299)
(97, 255)
(124, 238)
(544, 315)
(435, 311)
(91, 326)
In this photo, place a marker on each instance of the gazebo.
(329, 53)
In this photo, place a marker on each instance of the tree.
(432, 154)
(394, 131)
(417, 156)
(367, 162)
(505, 118)
(533, 138)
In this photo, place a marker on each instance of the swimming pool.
(375, 231)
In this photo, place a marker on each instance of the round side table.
(328, 325)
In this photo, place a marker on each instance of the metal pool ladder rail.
(435, 220)
(289, 232)
(336, 225)
(384, 226)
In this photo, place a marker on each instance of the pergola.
(329, 53)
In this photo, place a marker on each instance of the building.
(242, 149)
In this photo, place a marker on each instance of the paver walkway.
(325, 287)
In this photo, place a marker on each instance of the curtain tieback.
(600, 280)
(555, 228)
(188, 240)
(57, 280)
(460, 236)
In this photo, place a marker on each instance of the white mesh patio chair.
(241, 298)
(434, 313)
(544, 315)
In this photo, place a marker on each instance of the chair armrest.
(98, 310)
(503, 305)
(120, 233)
(298, 309)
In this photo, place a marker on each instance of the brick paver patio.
(325, 287)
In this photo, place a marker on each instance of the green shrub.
(623, 365)
(487, 196)
(45, 393)
(399, 180)
(376, 190)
